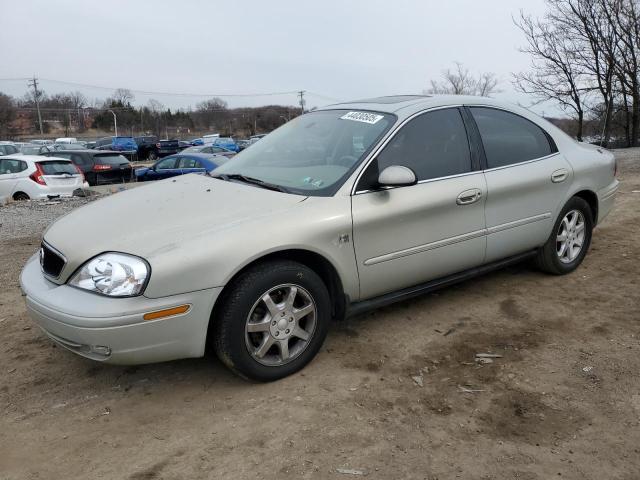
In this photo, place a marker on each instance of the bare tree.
(461, 82)
(624, 16)
(123, 96)
(556, 72)
(586, 56)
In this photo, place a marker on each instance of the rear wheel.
(570, 239)
(20, 196)
(273, 320)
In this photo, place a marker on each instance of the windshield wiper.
(251, 181)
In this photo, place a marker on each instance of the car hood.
(156, 218)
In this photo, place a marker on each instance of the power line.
(324, 97)
(176, 94)
(181, 94)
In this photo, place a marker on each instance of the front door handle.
(469, 196)
(559, 175)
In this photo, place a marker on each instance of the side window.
(166, 164)
(186, 162)
(12, 166)
(433, 145)
(509, 138)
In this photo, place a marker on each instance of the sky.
(336, 50)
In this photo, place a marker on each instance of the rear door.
(9, 172)
(189, 165)
(409, 235)
(527, 179)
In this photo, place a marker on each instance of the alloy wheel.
(280, 325)
(570, 236)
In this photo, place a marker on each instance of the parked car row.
(25, 175)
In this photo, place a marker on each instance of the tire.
(552, 258)
(243, 309)
(152, 155)
(20, 196)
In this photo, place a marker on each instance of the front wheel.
(272, 321)
(570, 239)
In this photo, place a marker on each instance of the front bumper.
(112, 330)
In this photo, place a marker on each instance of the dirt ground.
(562, 402)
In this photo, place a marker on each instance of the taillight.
(98, 167)
(37, 176)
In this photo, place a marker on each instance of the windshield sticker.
(365, 117)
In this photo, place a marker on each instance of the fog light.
(100, 350)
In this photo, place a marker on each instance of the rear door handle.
(559, 175)
(469, 196)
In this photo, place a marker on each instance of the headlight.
(113, 274)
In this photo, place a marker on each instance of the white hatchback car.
(24, 177)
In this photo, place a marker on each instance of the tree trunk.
(608, 118)
(580, 125)
(635, 120)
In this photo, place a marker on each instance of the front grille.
(51, 261)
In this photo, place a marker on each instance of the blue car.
(228, 143)
(180, 164)
(117, 144)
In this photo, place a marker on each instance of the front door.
(408, 235)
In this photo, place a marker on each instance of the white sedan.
(24, 177)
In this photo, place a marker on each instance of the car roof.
(88, 150)
(32, 158)
(405, 105)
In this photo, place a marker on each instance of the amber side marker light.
(168, 312)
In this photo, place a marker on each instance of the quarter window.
(433, 145)
(509, 138)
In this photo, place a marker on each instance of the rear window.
(110, 159)
(57, 167)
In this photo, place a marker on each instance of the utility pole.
(115, 122)
(301, 95)
(34, 83)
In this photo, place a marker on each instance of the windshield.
(312, 154)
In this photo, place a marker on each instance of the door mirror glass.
(397, 176)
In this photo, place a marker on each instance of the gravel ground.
(31, 217)
(393, 394)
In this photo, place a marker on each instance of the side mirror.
(397, 176)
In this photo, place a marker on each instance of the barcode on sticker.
(365, 117)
